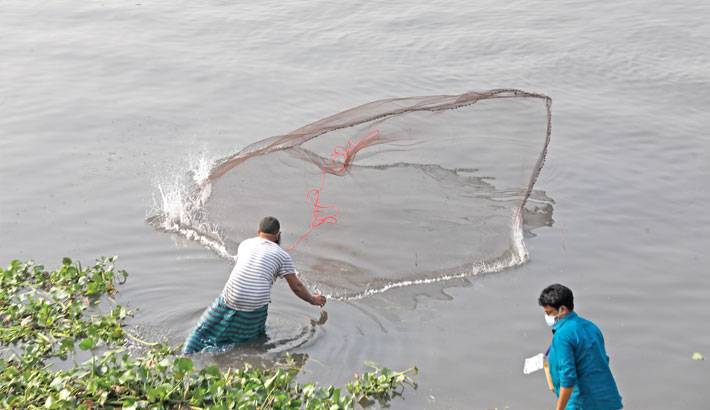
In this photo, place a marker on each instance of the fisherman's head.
(270, 228)
(557, 301)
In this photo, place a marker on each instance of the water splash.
(178, 207)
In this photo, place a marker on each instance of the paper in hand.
(533, 364)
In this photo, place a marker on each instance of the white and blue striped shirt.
(259, 263)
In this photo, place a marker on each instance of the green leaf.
(87, 344)
(153, 394)
(66, 261)
(211, 370)
(130, 405)
(183, 364)
(270, 381)
(64, 394)
(56, 383)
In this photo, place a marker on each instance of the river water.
(102, 103)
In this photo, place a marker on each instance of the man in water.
(239, 313)
(578, 362)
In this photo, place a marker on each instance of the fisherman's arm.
(299, 289)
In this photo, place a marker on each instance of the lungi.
(221, 326)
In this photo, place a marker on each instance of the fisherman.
(239, 313)
(578, 363)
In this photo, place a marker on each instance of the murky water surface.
(102, 103)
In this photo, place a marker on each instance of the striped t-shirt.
(259, 263)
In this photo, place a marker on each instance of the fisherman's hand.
(317, 299)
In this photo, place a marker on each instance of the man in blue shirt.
(577, 358)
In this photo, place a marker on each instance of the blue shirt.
(577, 358)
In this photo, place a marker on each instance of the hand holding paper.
(533, 364)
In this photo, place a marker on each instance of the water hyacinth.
(44, 311)
(47, 315)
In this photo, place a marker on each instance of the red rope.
(328, 213)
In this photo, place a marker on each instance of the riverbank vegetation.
(49, 316)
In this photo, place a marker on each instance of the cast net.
(390, 193)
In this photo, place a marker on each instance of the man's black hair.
(269, 225)
(557, 295)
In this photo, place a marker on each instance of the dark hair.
(269, 225)
(557, 295)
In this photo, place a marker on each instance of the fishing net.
(389, 193)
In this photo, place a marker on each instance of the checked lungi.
(221, 327)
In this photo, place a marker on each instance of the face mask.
(550, 320)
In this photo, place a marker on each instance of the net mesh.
(389, 193)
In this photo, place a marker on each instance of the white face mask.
(550, 320)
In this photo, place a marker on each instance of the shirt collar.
(561, 322)
(264, 240)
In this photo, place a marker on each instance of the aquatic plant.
(46, 315)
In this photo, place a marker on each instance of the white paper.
(533, 364)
